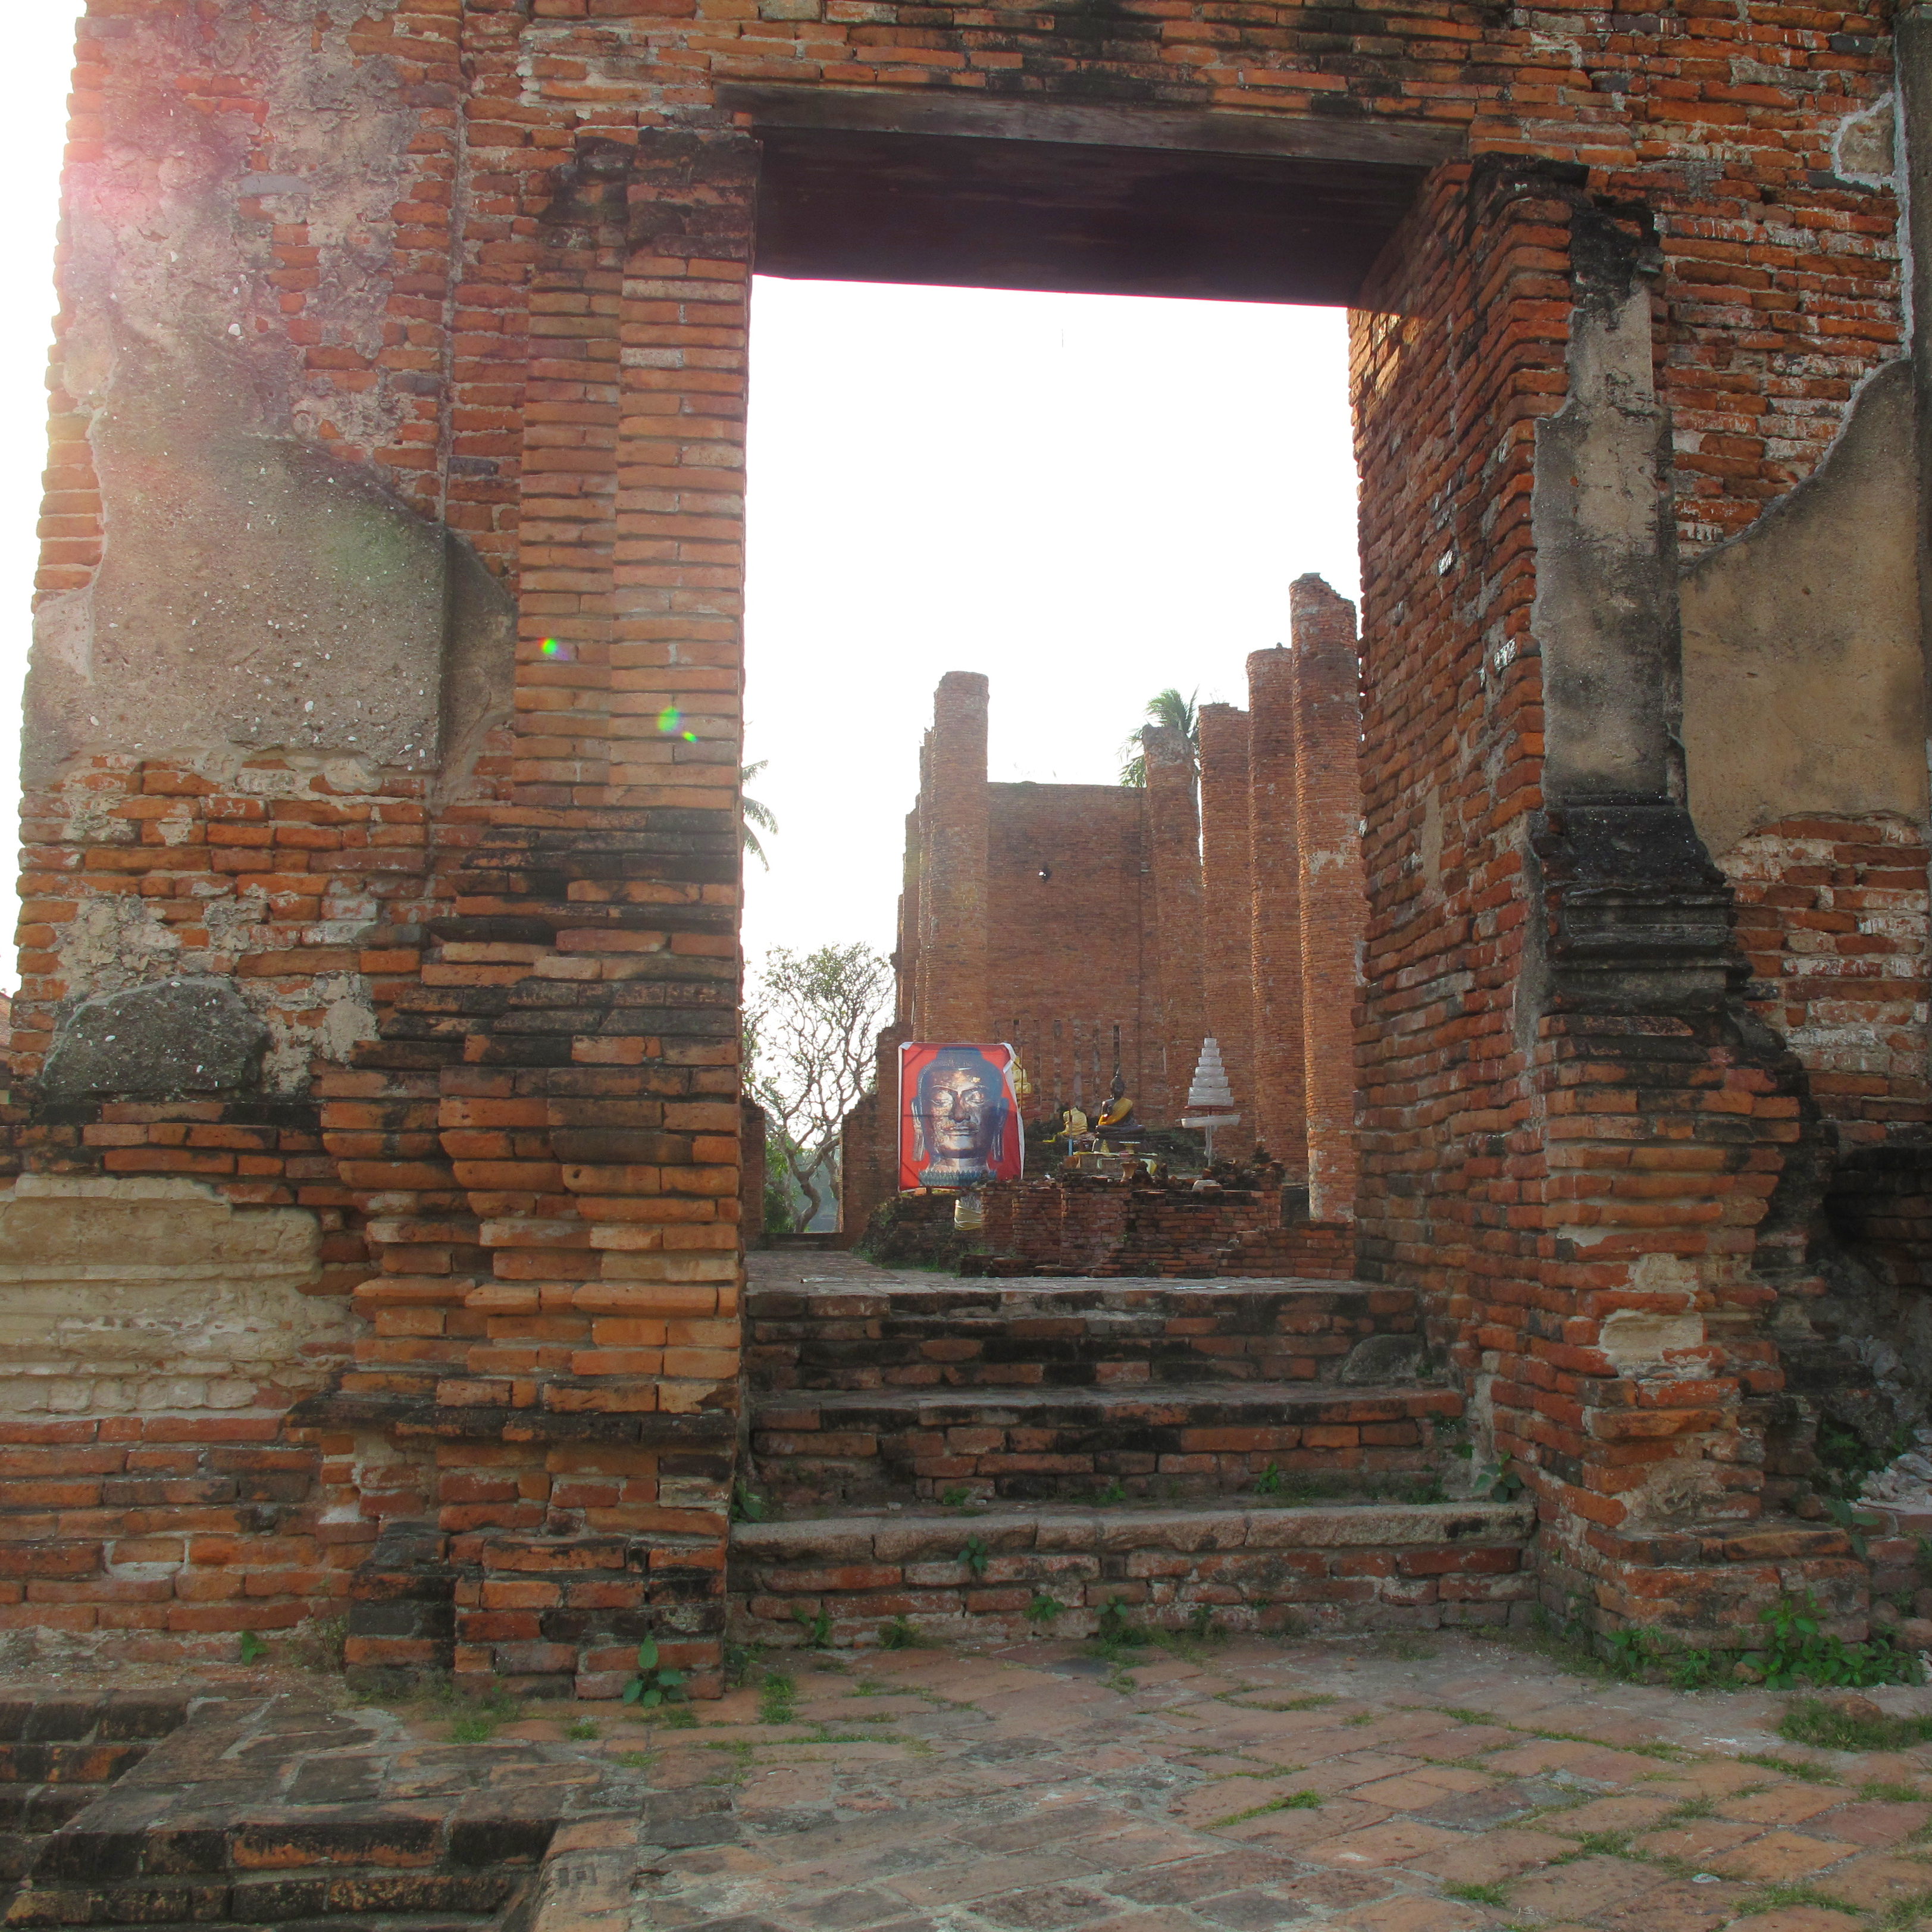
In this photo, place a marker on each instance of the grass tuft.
(1810, 1720)
(1781, 1897)
(1296, 1801)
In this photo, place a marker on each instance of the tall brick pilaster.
(1280, 1107)
(1227, 892)
(1171, 1045)
(1334, 905)
(953, 885)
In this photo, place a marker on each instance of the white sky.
(1086, 498)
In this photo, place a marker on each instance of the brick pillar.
(1227, 894)
(582, 994)
(1334, 904)
(1280, 1114)
(869, 1142)
(905, 955)
(953, 816)
(751, 1129)
(1170, 1047)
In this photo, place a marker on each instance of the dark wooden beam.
(841, 204)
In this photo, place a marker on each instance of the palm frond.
(1177, 713)
(751, 813)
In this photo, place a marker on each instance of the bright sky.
(39, 50)
(1086, 498)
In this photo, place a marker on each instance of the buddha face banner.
(959, 1117)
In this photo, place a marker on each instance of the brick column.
(1227, 892)
(952, 818)
(1280, 1114)
(1334, 904)
(1170, 1046)
(576, 1338)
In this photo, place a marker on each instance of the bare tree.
(809, 1023)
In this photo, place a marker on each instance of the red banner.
(959, 1117)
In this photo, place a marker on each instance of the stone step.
(1028, 1444)
(1076, 1333)
(362, 1921)
(299, 1895)
(1333, 1568)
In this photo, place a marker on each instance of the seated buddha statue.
(1116, 1121)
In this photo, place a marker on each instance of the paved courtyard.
(1436, 1784)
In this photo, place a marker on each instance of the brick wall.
(1333, 900)
(510, 304)
(1280, 1096)
(1070, 944)
(1227, 886)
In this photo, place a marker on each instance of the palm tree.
(1165, 707)
(751, 813)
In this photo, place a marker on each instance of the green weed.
(1800, 1651)
(1812, 1721)
(1044, 1611)
(655, 1683)
(777, 1699)
(899, 1634)
(1781, 1897)
(1801, 1768)
(1296, 1801)
(1497, 1893)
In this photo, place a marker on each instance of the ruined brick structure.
(379, 953)
(1099, 928)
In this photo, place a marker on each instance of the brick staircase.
(989, 1457)
(277, 1810)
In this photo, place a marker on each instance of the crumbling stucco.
(1803, 675)
(255, 590)
(151, 1293)
(1604, 617)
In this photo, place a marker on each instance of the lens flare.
(669, 721)
(550, 648)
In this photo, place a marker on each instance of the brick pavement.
(1445, 1784)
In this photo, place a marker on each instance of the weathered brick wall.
(1172, 983)
(1066, 953)
(1831, 915)
(1334, 899)
(1079, 1227)
(1088, 905)
(1227, 886)
(497, 288)
(1280, 1091)
(955, 909)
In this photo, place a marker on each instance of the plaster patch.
(1636, 1342)
(1865, 148)
(121, 1295)
(112, 943)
